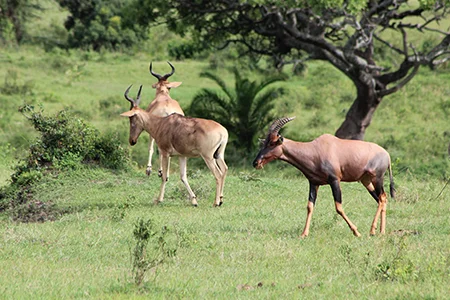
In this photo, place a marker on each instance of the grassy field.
(248, 248)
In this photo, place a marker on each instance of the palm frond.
(209, 104)
(267, 98)
(270, 80)
(219, 82)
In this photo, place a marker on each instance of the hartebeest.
(177, 135)
(330, 160)
(163, 105)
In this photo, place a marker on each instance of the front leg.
(310, 208)
(151, 143)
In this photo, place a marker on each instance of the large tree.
(347, 34)
(15, 14)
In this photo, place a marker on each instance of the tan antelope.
(330, 160)
(177, 135)
(163, 105)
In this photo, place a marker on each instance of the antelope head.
(271, 147)
(136, 116)
(163, 86)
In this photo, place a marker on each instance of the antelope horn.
(278, 124)
(134, 103)
(128, 98)
(171, 73)
(138, 98)
(153, 73)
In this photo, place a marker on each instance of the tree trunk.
(360, 114)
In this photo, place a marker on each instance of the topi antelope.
(163, 105)
(177, 135)
(330, 160)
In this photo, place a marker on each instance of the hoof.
(148, 171)
(159, 173)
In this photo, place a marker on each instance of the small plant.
(399, 268)
(248, 176)
(151, 249)
(121, 209)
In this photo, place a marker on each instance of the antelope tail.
(391, 182)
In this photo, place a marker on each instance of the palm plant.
(245, 112)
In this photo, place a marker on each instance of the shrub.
(145, 258)
(65, 142)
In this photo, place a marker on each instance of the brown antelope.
(177, 135)
(330, 160)
(163, 105)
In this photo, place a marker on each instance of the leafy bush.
(145, 258)
(97, 24)
(65, 142)
(183, 49)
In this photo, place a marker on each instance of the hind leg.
(374, 186)
(224, 168)
(218, 174)
(337, 195)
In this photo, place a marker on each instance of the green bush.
(65, 143)
(98, 24)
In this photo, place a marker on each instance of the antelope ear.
(155, 85)
(173, 84)
(280, 140)
(129, 113)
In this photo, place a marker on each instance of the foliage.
(65, 142)
(97, 24)
(346, 34)
(145, 258)
(244, 111)
(13, 16)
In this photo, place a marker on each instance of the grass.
(249, 247)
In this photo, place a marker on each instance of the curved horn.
(278, 124)
(171, 73)
(138, 98)
(154, 74)
(128, 98)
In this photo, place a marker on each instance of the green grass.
(226, 252)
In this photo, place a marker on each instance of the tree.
(99, 24)
(16, 13)
(349, 34)
(245, 111)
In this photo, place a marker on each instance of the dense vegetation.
(65, 159)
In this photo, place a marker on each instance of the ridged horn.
(278, 124)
